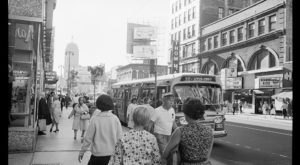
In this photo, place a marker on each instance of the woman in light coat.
(55, 113)
(78, 123)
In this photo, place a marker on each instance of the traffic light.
(152, 66)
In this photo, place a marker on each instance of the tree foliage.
(96, 72)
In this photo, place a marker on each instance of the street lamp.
(69, 82)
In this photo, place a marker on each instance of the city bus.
(182, 85)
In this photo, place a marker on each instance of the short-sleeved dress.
(195, 144)
(136, 147)
(77, 122)
(56, 111)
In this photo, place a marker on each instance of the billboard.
(268, 82)
(144, 51)
(145, 33)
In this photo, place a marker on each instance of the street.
(253, 145)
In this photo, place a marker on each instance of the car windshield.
(209, 94)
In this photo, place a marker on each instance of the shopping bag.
(42, 124)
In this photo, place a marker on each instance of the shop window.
(272, 23)
(216, 38)
(261, 60)
(261, 26)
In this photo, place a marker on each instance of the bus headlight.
(218, 119)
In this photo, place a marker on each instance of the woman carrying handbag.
(80, 113)
(194, 140)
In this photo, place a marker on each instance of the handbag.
(174, 157)
(42, 124)
(85, 116)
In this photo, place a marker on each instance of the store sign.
(24, 36)
(234, 83)
(270, 82)
(175, 56)
(50, 77)
(144, 51)
(20, 73)
(28, 9)
(199, 78)
(145, 33)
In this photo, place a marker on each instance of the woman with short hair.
(79, 109)
(193, 140)
(137, 146)
(102, 134)
(130, 109)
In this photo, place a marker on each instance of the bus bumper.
(218, 134)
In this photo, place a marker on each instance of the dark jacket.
(44, 112)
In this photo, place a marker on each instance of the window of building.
(185, 2)
(171, 38)
(184, 51)
(230, 11)
(179, 20)
(194, 10)
(189, 14)
(210, 68)
(184, 17)
(175, 22)
(209, 44)
(220, 12)
(224, 39)
(175, 36)
(261, 26)
(216, 38)
(251, 27)
(179, 35)
(240, 33)
(189, 32)
(272, 23)
(235, 61)
(172, 8)
(179, 4)
(231, 36)
(176, 7)
(172, 23)
(184, 34)
(193, 30)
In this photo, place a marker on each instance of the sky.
(99, 28)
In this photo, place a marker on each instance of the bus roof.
(159, 78)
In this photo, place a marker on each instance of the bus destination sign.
(198, 78)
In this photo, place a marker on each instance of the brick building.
(258, 39)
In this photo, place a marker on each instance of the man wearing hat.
(163, 121)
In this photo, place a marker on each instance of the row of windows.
(188, 15)
(176, 6)
(189, 50)
(187, 33)
(213, 42)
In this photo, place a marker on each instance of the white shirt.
(163, 120)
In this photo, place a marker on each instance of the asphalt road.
(253, 145)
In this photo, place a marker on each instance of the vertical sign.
(175, 56)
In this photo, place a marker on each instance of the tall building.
(186, 19)
(71, 57)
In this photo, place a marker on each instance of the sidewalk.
(271, 121)
(57, 148)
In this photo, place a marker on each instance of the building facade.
(186, 19)
(138, 71)
(257, 42)
(29, 45)
(71, 58)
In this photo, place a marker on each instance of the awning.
(258, 91)
(283, 95)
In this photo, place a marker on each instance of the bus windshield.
(209, 94)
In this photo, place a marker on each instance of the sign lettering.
(270, 82)
(198, 78)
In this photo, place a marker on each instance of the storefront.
(25, 61)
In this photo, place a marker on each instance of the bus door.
(126, 102)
